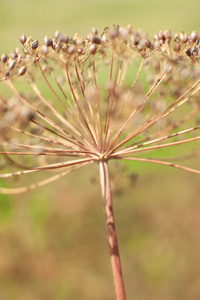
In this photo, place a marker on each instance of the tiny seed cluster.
(122, 40)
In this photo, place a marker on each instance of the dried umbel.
(118, 95)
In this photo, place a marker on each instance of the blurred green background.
(53, 240)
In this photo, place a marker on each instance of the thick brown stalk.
(111, 232)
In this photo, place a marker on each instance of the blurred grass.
(53, 241)
(38, 18)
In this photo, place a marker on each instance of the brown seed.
(123, 32)
(11, 64)
(155, 37)
(160, 35)
(188, 52)
(65, 48)
(4, 58)
(57, 34)
(44, 50)
(71, 50)
(80, 51)
(114, 34)
(148, 43)
(190, 41)
(22, 39)
(94, 31)
(93, 49)
(96, 40)
(194, 36)
(141, 46)
(185, 38)
(63, 39)
(195, 52)
(34, 44)
(22, 71)
(168, 35)
(47, 41)
(53, 45)
(177, 46)
(14, 55)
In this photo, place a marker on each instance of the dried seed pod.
(22, 71)
(77, 39)
(63, 39)
(4, 58)
(47, 41)
(113, 34)
(34, 44)
(155, 37)
(141, 46)
(14, 55)
(195, 52)
(185, 38)
(23, 39)
(96, 40)
(93, 49)
(71, 50)
(194, 36)
(181, 35)
(160, 35)
(168, 35)
(80, 51)
(88, 38)
(44, 50)
(12, 64)
(148, 43)
(190, 41)
(57, 34)
(124, 32)
(189, 52)
(177, 46)
(65, 48)
(53, 45)
(94, 31)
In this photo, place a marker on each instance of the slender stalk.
(111, 232)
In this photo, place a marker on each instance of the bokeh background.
(53, 240)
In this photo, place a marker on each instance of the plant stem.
(111, 232)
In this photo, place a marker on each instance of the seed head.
(99, 115)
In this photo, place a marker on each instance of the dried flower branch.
(115, 96)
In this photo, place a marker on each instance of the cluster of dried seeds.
(119, 93)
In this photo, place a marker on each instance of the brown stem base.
(111, 232)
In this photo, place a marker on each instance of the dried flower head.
(119, 95)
